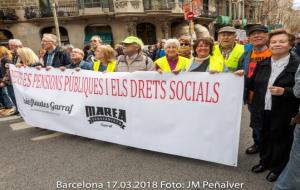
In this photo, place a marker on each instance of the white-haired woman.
(172, 62)
(28, 58)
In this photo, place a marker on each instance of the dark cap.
(257, 28)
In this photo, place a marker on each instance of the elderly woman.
(203, 61)
(274, 103)
(28, 57)
(202, 50)
(172, 62)
(106, 61)
(185, 49)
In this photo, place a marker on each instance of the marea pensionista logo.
(111, 115)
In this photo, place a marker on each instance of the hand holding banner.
(194, 115)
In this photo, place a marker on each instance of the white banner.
(195, 115)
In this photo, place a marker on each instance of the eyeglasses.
(184, 44)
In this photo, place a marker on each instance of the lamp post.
(54, 6)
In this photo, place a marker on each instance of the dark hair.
(276, 32)
(206, 40)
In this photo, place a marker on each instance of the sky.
(296, 3)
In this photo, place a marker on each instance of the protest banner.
(195, 115)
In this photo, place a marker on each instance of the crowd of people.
(269, 62)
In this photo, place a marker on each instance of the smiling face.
(202, 50)
(279, 45)
(226, 39)
(258, 38)
(171, 50)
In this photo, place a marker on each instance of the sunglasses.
(184, 44)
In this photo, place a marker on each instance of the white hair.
(78, 51)
(68, 46)
(50, 37)
(172, 41)
(16, 42)
(96, 37)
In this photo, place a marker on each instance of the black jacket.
(61, 58)
(283, 107)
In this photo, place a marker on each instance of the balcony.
(158, 5)
(63, 10)
(208, 14)
(93, 7)
(8, 15)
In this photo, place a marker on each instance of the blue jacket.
(245, 60)
(296, 49)
(246, 57)
(83, 65)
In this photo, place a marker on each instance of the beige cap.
(227, 29)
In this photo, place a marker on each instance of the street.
(33, 158)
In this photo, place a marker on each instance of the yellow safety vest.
(111, 66)
(217, 61)
(165, 67)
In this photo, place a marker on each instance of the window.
(146, 32)
(93, 3)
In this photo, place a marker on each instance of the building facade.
(113, 20)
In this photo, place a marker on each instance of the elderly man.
(94, 42)
(296, 48)
(68, 48)
(77, 60)
(13, 45)
(54, 56)
(258, 37)
(227, 53)
(133, 58)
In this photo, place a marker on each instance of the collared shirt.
(277, 66)
(50, 57)
(226, 52)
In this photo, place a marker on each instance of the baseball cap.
(132, 40)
